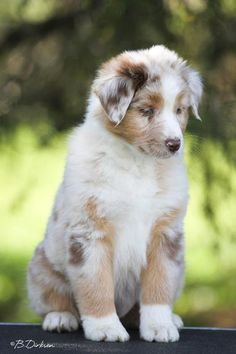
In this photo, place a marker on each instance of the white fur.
(107, 328)
(177, 321)
(60, 321)
(170, 89)
(156, 324)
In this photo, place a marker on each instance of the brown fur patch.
(136, 72)
(43, 263)
(111, 101)
(50, 284)
(172, 247)
(59, 301)
(122, 90)
(95, 295)
(155, 287)
(127, 129)
(155, 101)
(76, 251)
(101, 223)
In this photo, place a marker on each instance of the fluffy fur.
(115, 235)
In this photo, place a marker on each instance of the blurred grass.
(29, 176)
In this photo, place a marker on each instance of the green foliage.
(29, 176)
(49, 52)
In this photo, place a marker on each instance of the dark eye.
(147, 111)
(179, 110)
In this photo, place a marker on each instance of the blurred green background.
(49, 51)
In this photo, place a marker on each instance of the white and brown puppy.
(115, 236)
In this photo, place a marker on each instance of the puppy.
(115, 235)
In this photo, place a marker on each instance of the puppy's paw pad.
(107, 329)
(177, 321)
(60, 322)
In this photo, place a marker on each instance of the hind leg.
(50, 294)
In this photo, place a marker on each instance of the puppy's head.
(146, 96)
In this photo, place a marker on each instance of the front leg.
(90, 268)
(161, 282)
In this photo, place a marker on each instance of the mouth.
(163, 155)
(158, 153)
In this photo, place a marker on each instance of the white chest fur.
(136, 198)
(133, 190)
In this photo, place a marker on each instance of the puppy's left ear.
(116, 84)
(195, 87)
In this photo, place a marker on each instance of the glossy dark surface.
(27, 338)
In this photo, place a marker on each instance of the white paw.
(177, 321)
(156, 324)
(60, 322)
(160, 333)
(108, 328)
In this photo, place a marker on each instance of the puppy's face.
(146, 99)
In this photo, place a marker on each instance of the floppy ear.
(116, 85)
(195, 87)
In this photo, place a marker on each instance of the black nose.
(173, 144)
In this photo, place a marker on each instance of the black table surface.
(28, 338)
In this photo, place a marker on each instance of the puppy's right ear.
(116, 84)
(194, 82)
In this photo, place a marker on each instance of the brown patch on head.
(156, 288)
(137, 72)
(155, 101)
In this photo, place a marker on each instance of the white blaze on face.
(170, 88)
